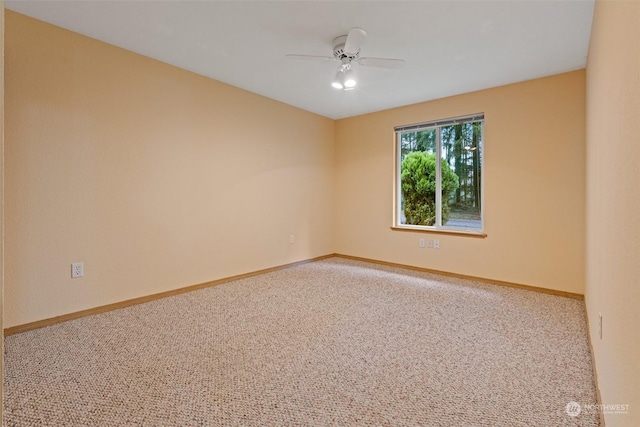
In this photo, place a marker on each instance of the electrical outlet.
(600, 324)
(421, 243)
(292, 239)
(77, 270)
(436, 244)
(430, 243)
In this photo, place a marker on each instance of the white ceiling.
(451, 47)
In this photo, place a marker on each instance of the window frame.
(397, 191)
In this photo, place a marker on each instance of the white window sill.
(476, 234)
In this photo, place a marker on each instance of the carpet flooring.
(328, 343)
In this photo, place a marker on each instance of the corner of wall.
(613, 190)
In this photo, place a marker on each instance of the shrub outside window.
(446, 194)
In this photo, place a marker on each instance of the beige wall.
(1, 194)
(154, 177)
(157, 178)
(534, 186)
(613, 204)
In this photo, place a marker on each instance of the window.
(443, 195)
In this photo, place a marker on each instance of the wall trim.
(148, 298)
(593, 365)
(140, 300)
(464, 276)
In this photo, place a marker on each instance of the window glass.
(444, 194)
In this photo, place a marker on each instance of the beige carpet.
(329, 343)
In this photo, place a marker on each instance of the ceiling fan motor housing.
(338, 49)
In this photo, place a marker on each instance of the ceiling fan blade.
(355, 39)
(310, 57)
(381, 62)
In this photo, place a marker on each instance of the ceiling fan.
(346, 49)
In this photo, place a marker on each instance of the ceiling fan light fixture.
(345, 79)
(338, 81)
(349, 79)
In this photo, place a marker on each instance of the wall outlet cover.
(77, 270)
